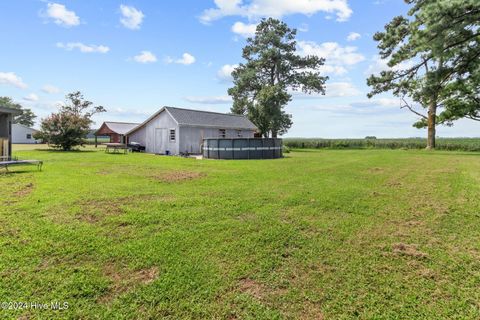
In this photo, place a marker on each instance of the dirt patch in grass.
(25, 190)
(251, 287)
(375, 170)
(409, 250)
(176, 176)
(94, 210)
(123, 280)
(91, 211)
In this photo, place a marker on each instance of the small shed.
(23, 134)
(176, 130)
(116, 131)
(6, 119)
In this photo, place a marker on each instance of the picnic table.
(112, 147)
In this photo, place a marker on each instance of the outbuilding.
(6, 119)
(115, 130)
(176, 130)
(23, 134)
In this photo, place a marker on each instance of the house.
(6, 119)
(22, 134)
(116, 131)
(175, 130)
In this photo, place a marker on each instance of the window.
(172, 135)
(239, 134)
(29, 136)
(222, 133)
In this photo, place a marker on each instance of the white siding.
(148, 135)
(155, 135)
(19, 134)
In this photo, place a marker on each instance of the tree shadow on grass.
(13, 171)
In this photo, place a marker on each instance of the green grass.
(333, 234)
(455, 144)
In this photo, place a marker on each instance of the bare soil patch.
(251, 287)
(123, 280)
(409, 250)
(176, 176)
(25, 190)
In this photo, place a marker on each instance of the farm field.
(451, 144)
(320, 234)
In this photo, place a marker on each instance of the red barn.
(116, 131)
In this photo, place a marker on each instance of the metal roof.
(199, 118)
(121, 127)
(10, 110)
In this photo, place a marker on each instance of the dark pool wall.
(242, 148)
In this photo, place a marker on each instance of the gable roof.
(119, 127)
(10, 110)
(199, 118)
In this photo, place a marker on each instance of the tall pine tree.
(272, 68)
(431, 52)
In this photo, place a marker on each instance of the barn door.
(160, 140)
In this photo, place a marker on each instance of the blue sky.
(135, 56)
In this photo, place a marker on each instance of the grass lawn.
(329, 234)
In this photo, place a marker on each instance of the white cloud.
(275, 8)
(336, 56)
(352, 36)
(245, 30)
(225, 72)
(131, 18)
(303, 27)
(379, 102)
(61, 15)
(378, 65)
(341, 89)
(332, 90)
(210, 100)
(48, 88)
(83, 47)
(186, 59)
(145, 57)
(31, 97)
(12, 79)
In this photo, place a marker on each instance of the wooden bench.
(9, 163)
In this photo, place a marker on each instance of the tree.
(26, 118)
(463, 101)
(68, 128)
(430, 53)
(272, 68)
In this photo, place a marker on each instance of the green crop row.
(459, 144)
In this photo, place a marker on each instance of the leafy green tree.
(271, 69)
(430, 53)
(463, 101)
(26, 118)
(67, 128)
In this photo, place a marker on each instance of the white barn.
(22, 134)
(177, 130)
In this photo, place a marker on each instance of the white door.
(160, 140)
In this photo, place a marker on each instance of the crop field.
(457, 144)
(320, 234)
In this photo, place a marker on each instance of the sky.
(133, 57)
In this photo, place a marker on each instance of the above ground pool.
(242, 148)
